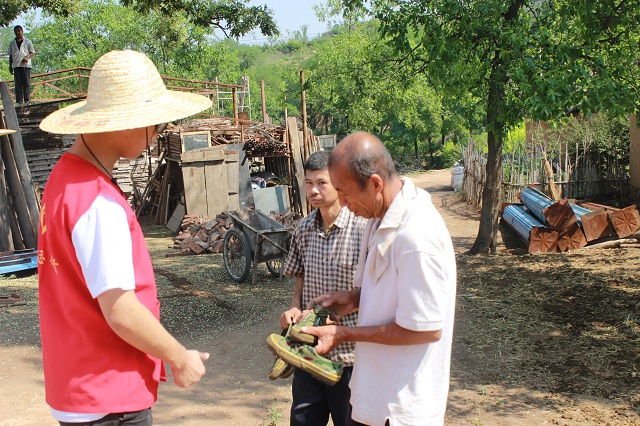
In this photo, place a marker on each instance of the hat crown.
(123, 78)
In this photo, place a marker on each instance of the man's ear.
(377, 182)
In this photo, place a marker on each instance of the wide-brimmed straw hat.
(6, 132)
(125, 92)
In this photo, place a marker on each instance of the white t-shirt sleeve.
(102, 242)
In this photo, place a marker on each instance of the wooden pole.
(17, 194)
(235, 106)
(304, 118)
(264, 102)
(6, 238)
(20, 157)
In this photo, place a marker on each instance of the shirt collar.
(341, 221)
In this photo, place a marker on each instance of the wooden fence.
(587, 175)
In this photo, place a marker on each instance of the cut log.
(626, 221)
(543, 239)
(612, 244)
(571, 238)
(597, 225)
(560, 214)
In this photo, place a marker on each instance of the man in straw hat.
(103, 345)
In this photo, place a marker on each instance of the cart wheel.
(237, 255)
(274, 266)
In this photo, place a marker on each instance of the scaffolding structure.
(242, 95)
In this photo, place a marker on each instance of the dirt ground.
(549, 339)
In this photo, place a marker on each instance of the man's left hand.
(25, 59)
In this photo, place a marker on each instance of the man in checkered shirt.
(323, 257)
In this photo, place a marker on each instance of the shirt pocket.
(347, 262)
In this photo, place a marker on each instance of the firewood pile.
(199, 235)
(259, 139)
(548, 226)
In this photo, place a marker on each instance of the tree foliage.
(523, 57)
(10, 9)
(233, 17)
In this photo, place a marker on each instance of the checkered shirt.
(327, 261)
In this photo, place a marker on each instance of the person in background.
(405, 292)
(20, 53)
(323, 257)
(103, 346)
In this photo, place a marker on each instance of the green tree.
(178, 47)
(10, 9)
(523, 57)
(233, 17)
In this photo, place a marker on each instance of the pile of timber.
(549, 226)
(199, 235)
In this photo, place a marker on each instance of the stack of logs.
(199, 236)
(548, 226)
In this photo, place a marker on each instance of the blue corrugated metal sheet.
(536, 202)
(11, 262)
(520, 220)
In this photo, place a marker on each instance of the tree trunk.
(486, 240)
(431, 152)
(415, 148)
(492, 191)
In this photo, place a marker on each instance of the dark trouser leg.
(338, 397)
(18, 76)
(136, 418)
(26, 84)
(309, 406)
(351, 422)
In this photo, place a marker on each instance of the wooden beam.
(264, 102)
(560, 214)
(298, 162)
(303, 96)
(20, 157)
(626, 221)
(543, 240)
(6, 238)
(596, 225)
(571, 238)
(17, 195)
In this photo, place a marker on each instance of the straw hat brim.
(78, 119)
(6, 132)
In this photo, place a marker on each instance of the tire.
(274, 266)
(237, 255)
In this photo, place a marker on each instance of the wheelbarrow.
(254, 238)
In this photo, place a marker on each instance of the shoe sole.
(302, 363)
(288, 371)
(278, 369)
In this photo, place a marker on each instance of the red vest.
(87, 367)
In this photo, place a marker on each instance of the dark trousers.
(351, 422)
(137, 418)
(22, 80)
(314, 401)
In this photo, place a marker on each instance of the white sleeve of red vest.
(102, 241)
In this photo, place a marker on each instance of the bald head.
(364, 155)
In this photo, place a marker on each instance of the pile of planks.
(548, 226)
(200, 236)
